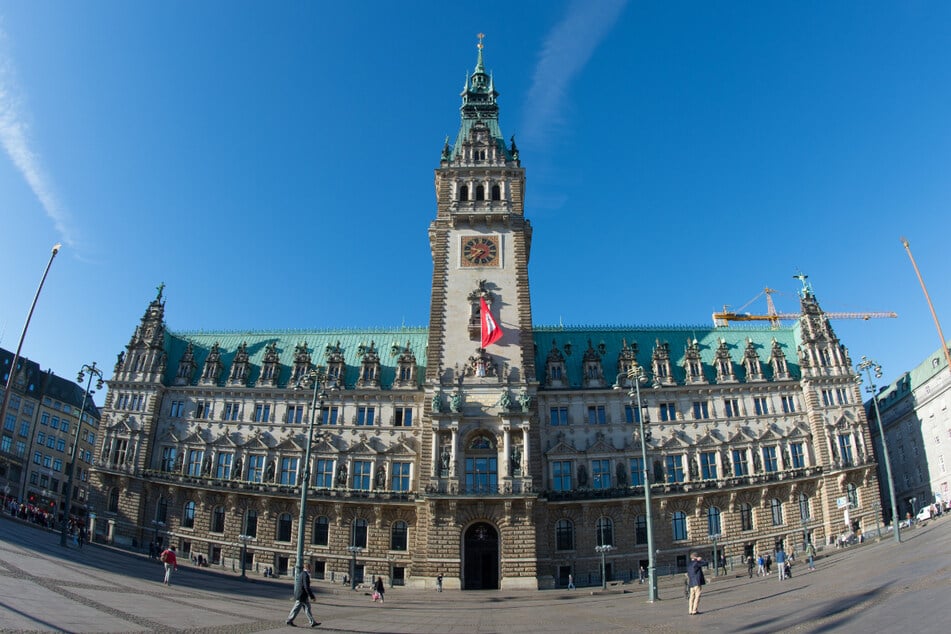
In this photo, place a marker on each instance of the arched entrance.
(481, 558)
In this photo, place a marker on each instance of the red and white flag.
(491, 331)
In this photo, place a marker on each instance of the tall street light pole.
(93, 372)
(313, 378)
(16, 355)
(868, 366)
(636, 376)
(602, 550)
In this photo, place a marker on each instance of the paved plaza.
(874, 587)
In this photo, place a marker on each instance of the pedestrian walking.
(781, 562)
(571, 582)
(439, 582)
(761, 562)
(811, 556)
(171, 563)
(696, 582)
(768, 562)
(750, 565)
(378, 590)
(302, 597)
(641, 574)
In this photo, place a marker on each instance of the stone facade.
(500, 465)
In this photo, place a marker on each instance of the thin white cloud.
(15, 138)
(564, 54)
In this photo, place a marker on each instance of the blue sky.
(273, 165)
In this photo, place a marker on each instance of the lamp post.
(604, 548)
(156, 525)
(636, 375)
(354, 551)
(93, 372)
(716, 558)
(244, 539)
(16, 356)
(313, 378)
(869, 366)
(914, 508)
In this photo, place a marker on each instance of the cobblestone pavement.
(875, 587)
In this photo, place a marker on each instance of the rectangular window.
(827, 398)
(403, 417)
(195, 458)
(60, 445)
(559, 415)
(789, 405)
(37, 456)
(361, 474)
(231, 411)
(168, 459)
(596, 415)
(640, 529)
(324, 473)
(223, 468)
(255, 468)
(740, 466)
(845, 448)
(668, 411)
(328, 415)
(746, 517)
(10, 423)
(770, 464)
(637, 472)
(203, 409)
(50, 441)
(40, 438)
(842, 396)
(65, 427)
(601, 474)
(760, 406)
(708, 465)
(24, 428)
(561, 475)
(54, 423)
(6, 444)
(295, 414)
(365, 416)
(44, 418)
(47, 461)
(21, 448)
(400, 478)
(675, 469)
(262, 412)
(58, 465)
(632, 414)
(701, 410)
(796, 455)
(731, 407)
(289, 471)
(13, 403)
(177, 409)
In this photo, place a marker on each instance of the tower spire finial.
(480, 67)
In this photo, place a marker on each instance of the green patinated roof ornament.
(479, 105)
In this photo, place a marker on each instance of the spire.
(479, 104)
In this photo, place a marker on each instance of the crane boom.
(723, 319)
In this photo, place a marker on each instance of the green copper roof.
(480, 105)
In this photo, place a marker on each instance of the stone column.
(452, 451)
(507, 450)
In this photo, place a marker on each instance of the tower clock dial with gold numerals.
(480, 251)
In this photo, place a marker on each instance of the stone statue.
(582, 476)
(757, 466)
(381, 477)
(437, 402)
(236, 473)
(444, 459)
(270, 472)
(694, 475)
(455, 402)
(525, 400)
(621, 475)
(505, 401)
(516, 460)
(342, 475)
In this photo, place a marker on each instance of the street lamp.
(716, 559)
(869, 366)
(16, 356)
(316, 379)
(244, 539)
(93, 372)
(636, 375)
(605, 548)
(354, 551)
(914, 507)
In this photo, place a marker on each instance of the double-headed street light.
(244, 539)
(636, 376)
(316, 379)
(869, 366)
(602, 550)
(354, 551)
(93, 372)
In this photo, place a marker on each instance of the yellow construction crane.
(723, 319)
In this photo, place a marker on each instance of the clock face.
(480, 250)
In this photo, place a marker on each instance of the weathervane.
(481, 37)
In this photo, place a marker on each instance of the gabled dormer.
(751, 363)
(369, 367)
(336, 365)
(406, 367)
(693, 365)
(212, 370)
(270, 367)
(626, 360)
(592, 368)
(724, 363)
(186, 366)
(240, 367)
(302, 362)
(556, 372)
(660, 360)
(777, 359)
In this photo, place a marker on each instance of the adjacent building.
(493, 462)
(917, 424)
(40, 428)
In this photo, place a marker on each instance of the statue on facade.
(582, 476)
(694, 474)
(757, 465)
(270, 472)
(455, 402)
(437, 402)
(342, 475)
(505, 401)
(525, 400)
(444, 460)
(621, 474)
(381, 477)
(515, 460)
(236, 472)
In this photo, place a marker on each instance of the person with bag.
(378, 590)
(171, 563)
(302, 597)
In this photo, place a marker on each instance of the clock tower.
(480, 391)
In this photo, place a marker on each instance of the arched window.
(746, 517)
(713, 521)
(776, 507)
(284, 527)
(251, 523)
(464, 192)
(188, 515)
(114, 500)
(496, 192)
(321, 536)
(803, 507)
(398, 536)
(480, 192)
(679, 526)
(605, 530)
(564, 535)
(853, 494)
(161, 510)
(359, 535)
(640, 529)
(218, 520)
